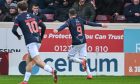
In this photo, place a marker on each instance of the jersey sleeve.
(16, 22)
(91, 23)
(66, 24)
(42, 25)
(43, 28)
(15, 26)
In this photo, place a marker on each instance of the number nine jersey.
(29, 27)
(76, 27)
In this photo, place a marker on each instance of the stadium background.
(113, 51)
(112, 60)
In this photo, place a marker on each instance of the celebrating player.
(76, 27)
(29, 25)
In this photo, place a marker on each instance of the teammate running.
(29, 25)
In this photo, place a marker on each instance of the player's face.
(72, 16)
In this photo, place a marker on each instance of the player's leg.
(72, 52)
(29, 65)
(83, 54)
(34, 52)
(46, 67)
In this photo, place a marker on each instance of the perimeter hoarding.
(108, 52)
(97, 41)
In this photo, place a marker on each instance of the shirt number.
(33, 26)
(79, 29)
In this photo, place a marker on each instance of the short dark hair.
(35, 4)
(22, 5)
(72, 11)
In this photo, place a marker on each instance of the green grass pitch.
(72, 80)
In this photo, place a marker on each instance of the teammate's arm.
(61, 28)
(43, 28)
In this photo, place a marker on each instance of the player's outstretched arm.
(94, 24)
(61, 28)
(104, 25)
(14, 31)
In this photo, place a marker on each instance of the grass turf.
(72, 80)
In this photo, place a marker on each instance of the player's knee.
(83, 57)
(37, 59)
(70, 58)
